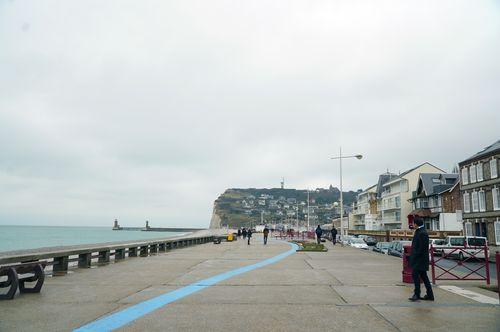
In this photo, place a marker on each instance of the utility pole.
(308, 209)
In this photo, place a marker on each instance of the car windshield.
(384, 245)
(357, 241)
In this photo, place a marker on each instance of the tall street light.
(340, 157)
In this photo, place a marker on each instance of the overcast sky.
(150, 109)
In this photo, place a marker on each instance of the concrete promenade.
(343, 289)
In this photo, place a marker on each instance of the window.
(473, 174)
(466, 202)
(493, 168)
(475, 242)
(465, 176)
(457, 241)
(475, 201)
(496, 198)
(482, 201)
(468, 228)
(398, 201)
(479, 171)
(397, 215)
(497, 231)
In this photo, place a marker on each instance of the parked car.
(470, 246)
(361, 236)
(382, 247)
(397, 248)
(437, 244)
(370, 240)
(346, 239)
(358, 243)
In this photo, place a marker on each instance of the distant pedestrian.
(239, 233)
(249, 235)
(419, 262)
(334, 235)
(319, 232)
(266, 233)
(244, 232)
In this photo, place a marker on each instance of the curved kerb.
(128, 315)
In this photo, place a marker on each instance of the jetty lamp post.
(343, 231)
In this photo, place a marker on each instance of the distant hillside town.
(246, 207)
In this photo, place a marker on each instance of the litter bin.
(407, 270)
(230, 237)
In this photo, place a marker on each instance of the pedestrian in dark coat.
(334, 235)
(266, 233)
(319, 232)
(419, 261)
(249, 235)
(244, 232)
(239, 233)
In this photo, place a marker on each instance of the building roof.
(414, 168)
(383, 179)
(495, 147)
(436, 183)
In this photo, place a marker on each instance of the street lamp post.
(308, 212)
(340, 157)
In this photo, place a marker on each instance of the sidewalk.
(342, 289)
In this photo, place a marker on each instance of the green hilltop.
(238, 207)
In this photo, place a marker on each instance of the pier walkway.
(344, 289)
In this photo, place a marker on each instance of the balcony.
(390, 220)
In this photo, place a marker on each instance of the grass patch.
(310, 246)
(490, 288)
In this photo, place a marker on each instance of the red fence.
(462, 269)
(292, 235)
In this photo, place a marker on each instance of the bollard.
(407, 270)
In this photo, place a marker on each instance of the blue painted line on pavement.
(128, 315)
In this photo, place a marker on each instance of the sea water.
(31, 237)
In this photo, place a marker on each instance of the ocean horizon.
(21, 237)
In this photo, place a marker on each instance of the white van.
(472, 245)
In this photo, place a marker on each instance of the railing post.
(60, 265)
(487, 264)
(161, 247)
(103, 257)
(497, 263)
(84, 260)
(119, 254)
(433, 265)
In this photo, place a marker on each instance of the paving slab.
(263, 317)
(432, 317)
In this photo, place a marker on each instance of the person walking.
(244, 233)
(266, 233)
(334, 235)
(419, 262)
(249, 235)
(319, 232)
(239, 233)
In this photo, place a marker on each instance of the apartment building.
(364, 210)
(394, 203)
(437, 201)
(365, 214)
(480, 189)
